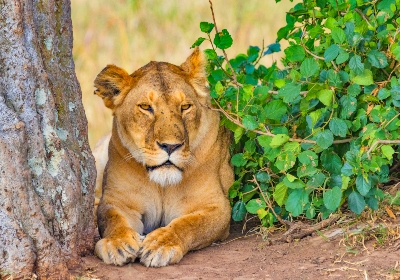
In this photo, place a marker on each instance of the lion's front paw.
(120, 247)
(160, 248)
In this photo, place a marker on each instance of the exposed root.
(299, 230)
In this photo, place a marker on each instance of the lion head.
(158, 113)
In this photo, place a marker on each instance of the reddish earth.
(333, 255)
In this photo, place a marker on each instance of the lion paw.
(119, 248)
(160, 248)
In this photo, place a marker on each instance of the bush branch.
(223, 51)
(296, 230)
(267, 133)
(380, 142)
(269, 204)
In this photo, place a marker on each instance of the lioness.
(168, 167)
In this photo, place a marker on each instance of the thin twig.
(378, 142)
(219, 64)
(261, 54)
(223, 51)
(392, 119)
(309, 52)
(362, 15)
(304, 93)
(318, 57)
(394, 69)
(269, 204)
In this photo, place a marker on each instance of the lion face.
(157, 112)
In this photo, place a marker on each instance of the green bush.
(322, 132)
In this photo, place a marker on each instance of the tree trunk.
(47, 171)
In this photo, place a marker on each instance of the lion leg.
(167, 245)
(120, 243)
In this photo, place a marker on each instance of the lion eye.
(146, 107)
(185, 107)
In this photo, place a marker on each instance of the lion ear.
(195, 66)
(112, 84)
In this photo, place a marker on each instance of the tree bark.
(47, 171)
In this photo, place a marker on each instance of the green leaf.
(272, 48)
(238, 160)
(254, 205)
(289, 92)
(365, 79)
(260, 91)
(338, 35)
(249, 122)
(387, 151)
(338, 127)
(250, 146)
(223, 39)
(308, 157)
(396, 52)
(377, 59)
(264, 140)
(310, 213)
(332, 198)
(278, 140)
(316, 31)
(280, 193)
(372, 202)
(239, 131)
(238, 211)
(356, 65)
(348, 106)
(342, 57)
(206, 27)
(295, 53)
(293, 147)
(331, 53)
(325, 96)
(198, 42)
(362, 185)
(290, 178)
(325, 139)
(331, 161)
(296, 184)
(330, 22)
(313, 118)
(345, 182)
(383, 93)
(275, 110)
(219, 88)
(353, 90)
(218, 75)
(309, 67)
(285, 161)
(306, 171)
(395, 200)
(316, 181)
(356, 202)
(296, 202)
(210, 54)
(347, 169)
(262, 176)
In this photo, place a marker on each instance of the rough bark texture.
(47, 171)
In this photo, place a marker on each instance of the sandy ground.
(330, 255)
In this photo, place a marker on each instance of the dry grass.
(132, 33)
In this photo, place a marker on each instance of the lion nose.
(169, 148)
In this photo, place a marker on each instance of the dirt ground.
(340, 252)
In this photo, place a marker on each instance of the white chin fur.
(166, 176)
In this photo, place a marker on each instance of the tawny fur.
(181, 206)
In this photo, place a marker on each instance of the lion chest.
(160, 210)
